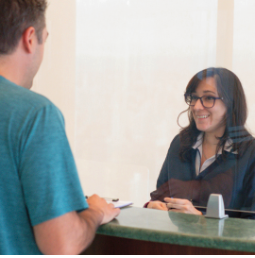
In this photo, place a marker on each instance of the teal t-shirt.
(38, 176)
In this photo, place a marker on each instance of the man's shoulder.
(16, 97)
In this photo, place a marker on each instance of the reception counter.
(147, 231)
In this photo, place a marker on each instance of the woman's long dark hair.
(230, 89)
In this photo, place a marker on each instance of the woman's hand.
(157, 205)
(181, 205)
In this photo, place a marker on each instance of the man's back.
(42, 206)
(35, 164)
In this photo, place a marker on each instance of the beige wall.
(56, 77)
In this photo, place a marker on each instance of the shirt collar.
(227, 147)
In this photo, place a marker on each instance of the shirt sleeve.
(47, 169)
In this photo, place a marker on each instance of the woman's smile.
(202, 117)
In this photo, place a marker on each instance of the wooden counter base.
(110, 245)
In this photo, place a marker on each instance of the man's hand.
(181, 205)
(157, 205)
(100, 205)
(72, 232)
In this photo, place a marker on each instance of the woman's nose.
(198, 105)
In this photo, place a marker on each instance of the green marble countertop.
(182, 229)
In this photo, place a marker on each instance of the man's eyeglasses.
(206, 101)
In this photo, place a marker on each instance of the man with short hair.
(42, 206)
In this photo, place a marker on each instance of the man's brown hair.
(15, 17)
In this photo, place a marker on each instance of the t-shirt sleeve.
(47, 169)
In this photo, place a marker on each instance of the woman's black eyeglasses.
(206, 101)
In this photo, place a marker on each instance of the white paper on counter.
(119, 204)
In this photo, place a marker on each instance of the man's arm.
(73, 232)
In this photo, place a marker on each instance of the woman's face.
(209, 120)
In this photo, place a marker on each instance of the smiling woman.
(214, 153)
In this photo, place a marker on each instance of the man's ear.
(29, 39)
